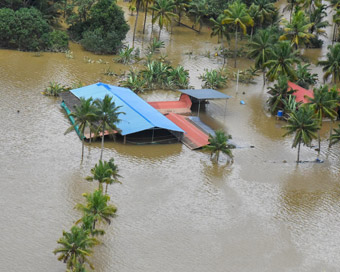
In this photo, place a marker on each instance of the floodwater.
(177, 211)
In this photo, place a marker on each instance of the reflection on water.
(176, 210)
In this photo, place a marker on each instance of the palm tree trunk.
(146, 13)
(82, 143)
(290, 16)
(159, 33)
(152, 15)
(179, 18)
(251, 33)
(319, 142)
(264, 77)
(103, 132)
(134, 30)
(235, 53)
(106, 188)
(298, 155)
(330, 132)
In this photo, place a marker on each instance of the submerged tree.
(98, 207)
(261, 50)
(297, 31)
(303, 125)
(331, 66)
(282, 61)
(323, 105)
(237, 15)
(219, 143)
(75, 247)
(84, 116)
(163, 13)
(107, 117)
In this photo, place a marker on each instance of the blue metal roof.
(139, 115)
(206, 94)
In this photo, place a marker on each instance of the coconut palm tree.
(310, 5)
(281, 62)
(181, 6)
(107, 116)
(304, 75)
(298, 30)
(84, 117)
(114, 175)
(261, 49)
(335, 137)
(278, 94)
(317, 19)
(324, 106)
(137, 4)
(87, 224)
(218, 29)
(163, 13)
(237, 15)
(219, 143)
(146, 5)
(303, 125)
(265, 11)
(75, 247)
(198, 10)
(336, 23)
(292, 4)
(98, 207)
(331, 66)
(335, 96)
(102, 172)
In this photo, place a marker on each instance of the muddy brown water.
(177, 211)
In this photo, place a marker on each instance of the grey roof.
(205, 94)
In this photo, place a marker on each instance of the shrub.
(103, 30)
(57, 41)
(26, 29)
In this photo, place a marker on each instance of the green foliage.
(135, 82)
(54, 89)
(75, 247)
(335, 136)
(154, 46)
(219, 143)
(298, 30)
(100, 27)
(126, 55)
(27, 30)
(213, 79)
(97, 206)
(305, 77)
(303, 125)
(281, 62)
(290, 105)
(331, 66)
(278, 94)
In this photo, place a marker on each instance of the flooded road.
(176, 210)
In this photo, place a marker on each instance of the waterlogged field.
(177, 211)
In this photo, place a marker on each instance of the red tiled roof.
(182, 106)
(300, 93)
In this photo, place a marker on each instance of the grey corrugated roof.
(206, 94)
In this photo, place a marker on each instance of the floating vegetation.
(37, 54)
(88, 60)
(101, 61)
(69, 54)
(109, 72)
(135, 82)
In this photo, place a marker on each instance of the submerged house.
(141, 123)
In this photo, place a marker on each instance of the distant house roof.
(182, 106)
(300, 93)
(139, 115)
(205, 94)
